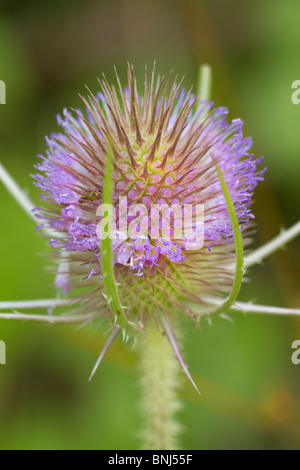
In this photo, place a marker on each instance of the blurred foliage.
(250, 389)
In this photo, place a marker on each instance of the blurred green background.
(250, 388)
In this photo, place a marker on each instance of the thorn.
(125, 337)
(174, 345)
(155, 145)
(134, 342)
(104, 350)
(129, 150)
(145, 173)
(226, 317)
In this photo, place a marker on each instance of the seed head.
(166, 147)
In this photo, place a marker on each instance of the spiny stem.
(17, 192)
(21, 197)
(269, 248)
(159, 376)
(37, 303)
(248, 307)
(49, 318)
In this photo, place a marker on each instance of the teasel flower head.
(167, 148)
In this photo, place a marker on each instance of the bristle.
(157, 140)
(154, 106)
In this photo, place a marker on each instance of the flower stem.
(21, 197)
(257, 256)
(248, 307)
(49, 318)
(159, 381)
(204, 82)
